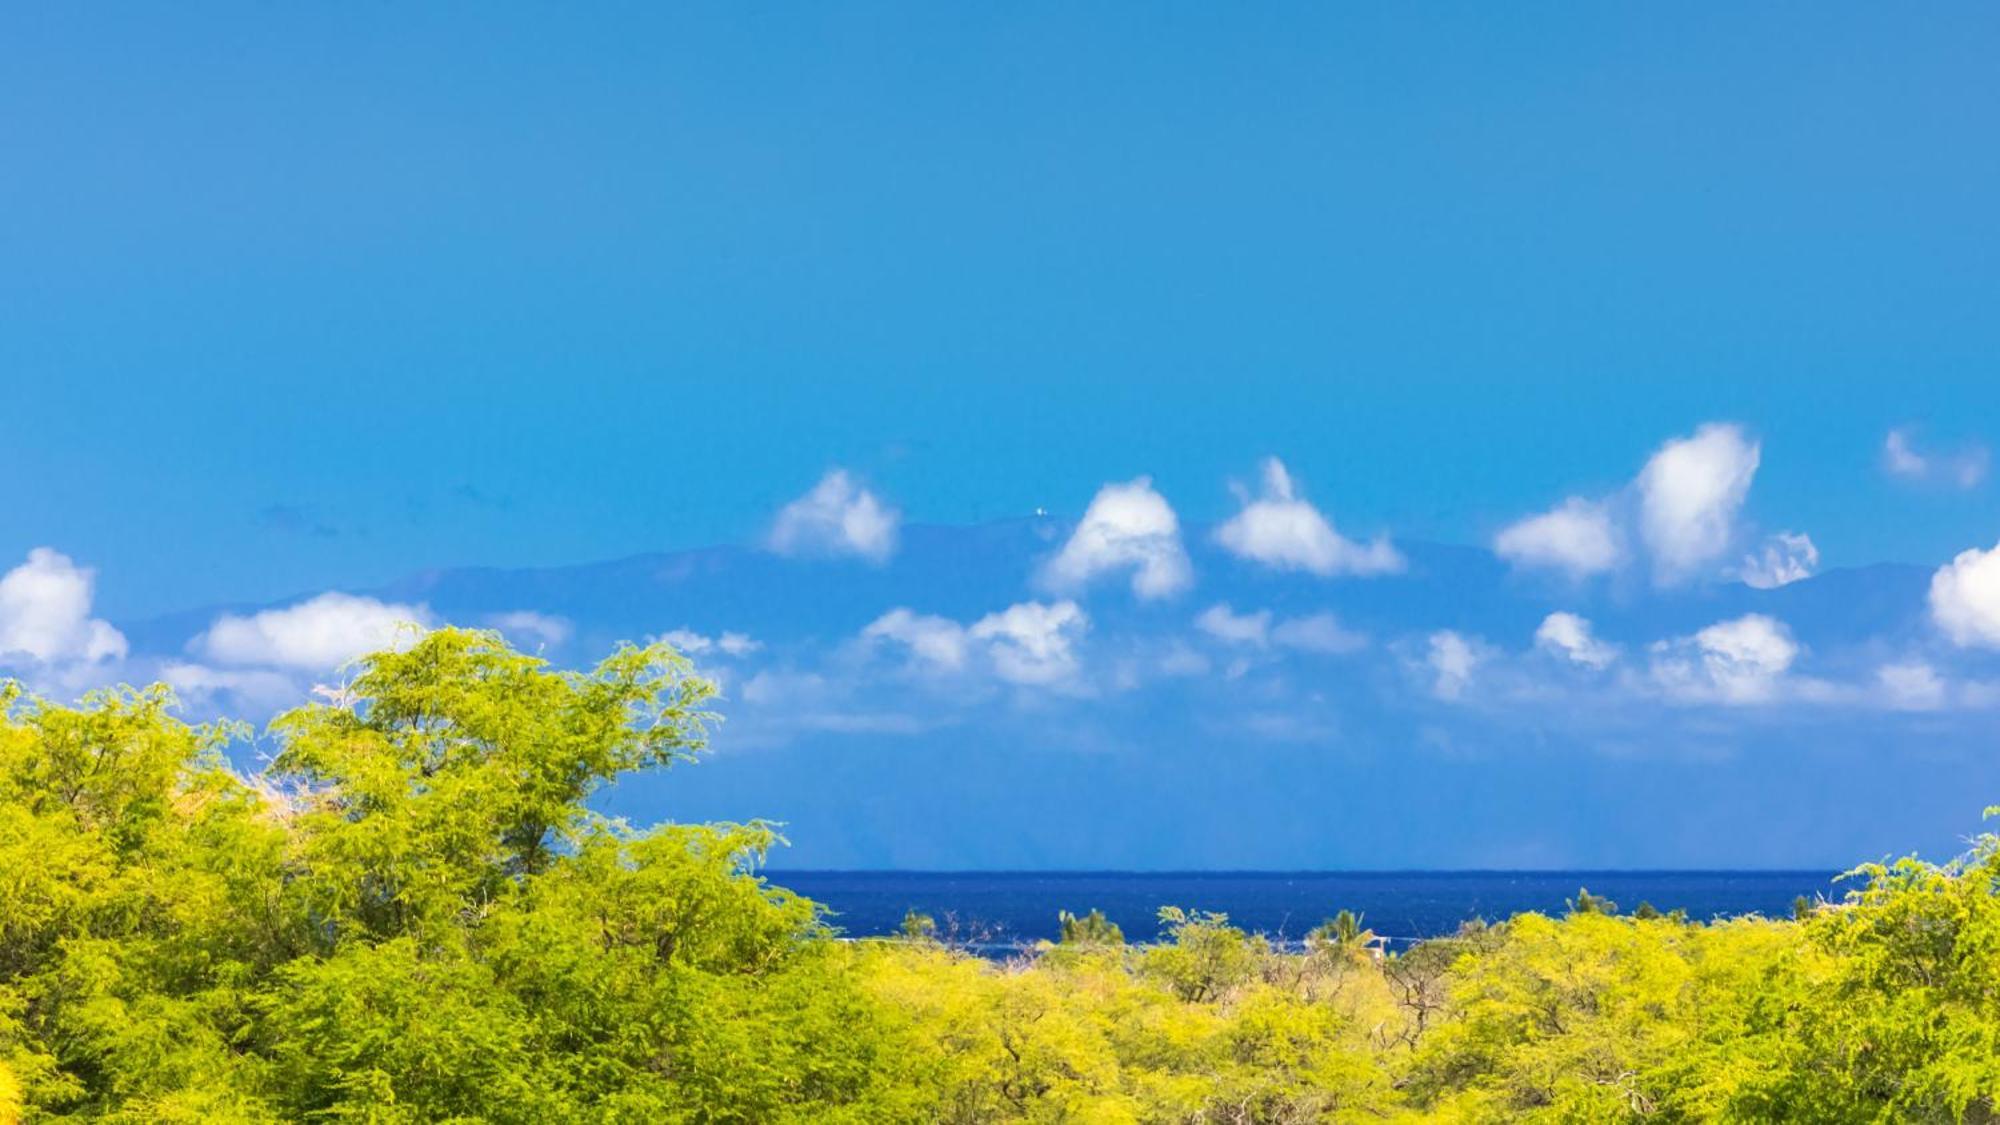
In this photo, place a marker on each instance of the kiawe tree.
(412, 915)
(460, 768)
(415, 915)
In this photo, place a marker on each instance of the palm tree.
(1342, 933)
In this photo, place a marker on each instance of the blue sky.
(317, 299)
(459, 286)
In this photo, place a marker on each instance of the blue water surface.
(1001, 909)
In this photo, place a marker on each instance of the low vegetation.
(413, 915)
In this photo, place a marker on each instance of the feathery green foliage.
(413, 915)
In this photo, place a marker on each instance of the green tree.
(1587, 903)
(413, 915)
(1091, 929)
(1204, 957)
(918, 926)
(1342, 932)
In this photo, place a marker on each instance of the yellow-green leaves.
(414, 916)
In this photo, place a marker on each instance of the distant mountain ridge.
(966, 571)
(1180, 749)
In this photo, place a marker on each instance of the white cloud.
(779, 705)
(1127, 527)
(1685, 503)
(1965, 598)
(1033, 642)
(737, 644)
(1739, 661)
(1225, 625)
(1451, 659)
(1899, 458)
(260, 690)
(1578, 538)
(1571, 637)
(1180, 659)
(527, 625)
(771, 688)
(1914, 686)
(316, 635)
(1962, 469)
(1030, 643)
(1785, 558)
(838, 517)
(1319, 632)
(936, 641)
(687, 642)
(45, 613)
(1689, 494)
(1281, 530)
(1969, 467)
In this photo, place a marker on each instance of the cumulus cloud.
(1912, 686)
(1571, 637)
(1682, 509)
(1785, 558)
(1689, 494)
(1578, 538)
(1451, 659)
(1739, 661)
(527, 625)
(260, 690)
(1279, 529)
(1965, 598)
(313, 636)
(838, 517)
(45, 614)
(1963, 468)
(1128, 527)
(935, 641)
(687, 642)
(1033, 642)
(1230, 627)
(1319, 632)
(1030, 643)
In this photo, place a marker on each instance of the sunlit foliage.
(412, 914)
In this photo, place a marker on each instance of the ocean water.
(1000, 910)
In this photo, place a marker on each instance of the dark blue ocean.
(1000, 909)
